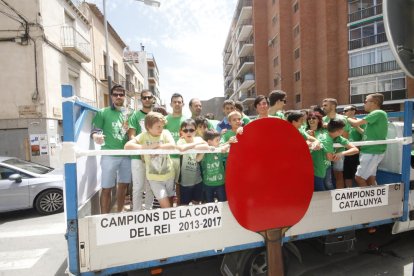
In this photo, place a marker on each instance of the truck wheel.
(49, 202)
(256, 263)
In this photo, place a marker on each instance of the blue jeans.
(318, 184)
(329, 185)
(220, 192)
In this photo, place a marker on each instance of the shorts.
(115, 170)
(338, 166)
(212, 192)
(368, 164)
(162, 189)
(350, 166)
(190, 193)
(176, 167)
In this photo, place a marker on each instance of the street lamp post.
(153, 3)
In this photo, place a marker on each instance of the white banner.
(114, 228)
(359, 198)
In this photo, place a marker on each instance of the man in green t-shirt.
(110, 130)
(376, 129)
(139, 179)
(277, 101)
(174, 121)
(329, 107)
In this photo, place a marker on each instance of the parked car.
(25, 185)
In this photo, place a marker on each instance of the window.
(274, 20)
(275, 61)
(296, 31)
(370, 56)
(384, 83)
(296, 53)
(366, 30)
(297, 98)
(297, 76)
(295, 7)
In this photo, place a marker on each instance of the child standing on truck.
(191, 186)
(212, 166)
(335, 129)
(159, 167)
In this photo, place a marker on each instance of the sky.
(186, 38)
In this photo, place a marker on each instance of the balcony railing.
(364, 13)
(373, 68)
(75, 44)
(246, 59)
(117, 78)
(388, 96)
(248, 95)
(367, 41)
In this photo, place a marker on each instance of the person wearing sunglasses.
(191, 186)
(376, 129)
(110, 122)
(139, 180)
(277, 101)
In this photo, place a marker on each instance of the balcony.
(248, 97)
(367, 41)
(365, 13)
(388, 96)
(246, 65)
(129, 87)
(117, 78)
(374, 68)
(244, 10)
(248, 81)
(245, 47)
(245, 30)
(152, 76)
(74, 44)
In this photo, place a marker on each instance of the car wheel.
(49, 202)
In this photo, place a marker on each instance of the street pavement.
(31, 244)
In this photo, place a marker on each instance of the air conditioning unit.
(270, 42)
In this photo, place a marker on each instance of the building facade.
(312, 50)
(44, 44)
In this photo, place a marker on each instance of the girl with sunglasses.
(191, 186)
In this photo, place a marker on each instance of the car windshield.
(28, 166)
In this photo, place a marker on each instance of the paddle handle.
(274, 252)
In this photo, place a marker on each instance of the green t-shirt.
(343, 118)
(376, 129)
(137, 122)
(213, 169)
(328, 142)
(278, 114)
(226, 136)
(302, 132)
(190, 169)
(212, 124)
(159, 167)
(173, 125)
(245, 120)
(110, 120)
(320, 162)
(354, 135)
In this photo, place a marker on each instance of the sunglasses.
(312, 118)
(116, 95)
(146, 97)
(187, 130)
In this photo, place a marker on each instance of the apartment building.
(372, 66)
(312, 50)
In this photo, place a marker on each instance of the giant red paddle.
(269, 182)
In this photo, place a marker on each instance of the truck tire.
(256, 264)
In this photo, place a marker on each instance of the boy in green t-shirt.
(159, 167)
(235, 121)
(376, 129)
(335, 129)
(212, 166)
